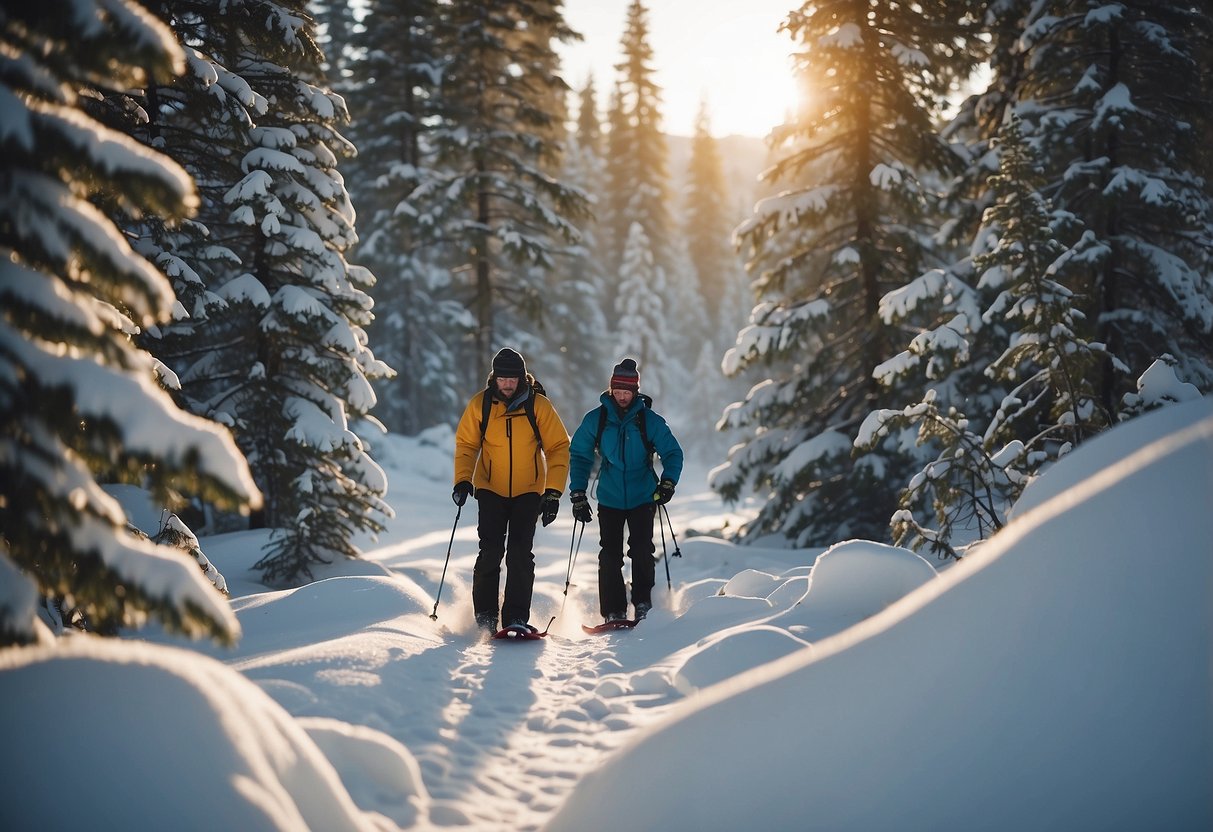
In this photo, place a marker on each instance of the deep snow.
(1060, 678)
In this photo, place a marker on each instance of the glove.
(549, 505)
(463, 490)
(581, 507)
(664, 492)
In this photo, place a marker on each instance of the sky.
(727, 50)
(1058, 678)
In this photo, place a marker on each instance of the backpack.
(528, 407)
(644, 434)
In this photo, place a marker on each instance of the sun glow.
(703, 50)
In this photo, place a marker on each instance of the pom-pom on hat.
(509, 364)
(625, 376)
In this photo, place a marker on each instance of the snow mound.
(225, 755)
(748, 647)
(1056, 680)
(380, 773)
(751, 583)
(859, 578)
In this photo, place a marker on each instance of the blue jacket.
(626, 478)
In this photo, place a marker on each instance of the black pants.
(506, 529)
(612, 594)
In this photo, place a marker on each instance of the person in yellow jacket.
(512, 453)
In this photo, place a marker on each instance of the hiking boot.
(487, 621)
(642, 609)
(521, 626)
(616, 616)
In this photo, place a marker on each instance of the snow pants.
(612, 593)
(507, 530)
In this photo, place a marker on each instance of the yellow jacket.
(510, 462)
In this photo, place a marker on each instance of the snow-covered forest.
(247, 243)
(251, 245)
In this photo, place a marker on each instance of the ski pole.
(438, 597)
(665, 557)
(677, 551)
(568, 575)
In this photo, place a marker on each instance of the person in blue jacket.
(624, 433)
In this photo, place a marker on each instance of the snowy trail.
(512, 726)
(496, 735)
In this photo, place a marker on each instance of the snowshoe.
(611, 626)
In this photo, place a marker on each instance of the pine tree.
(589, 127)
(637, 154)
(496, 200)
(398, 97)
(849, 229)
(708, 223)
(1043, 364)
(575, 360)
(1052, 405)
(1112, 101)
(78, 400)
(639, 312)
(336, 27)
(287, 363)
(311, 368)
(612, 210)
(202, 120)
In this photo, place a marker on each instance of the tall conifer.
(849, 228)
(79, 403)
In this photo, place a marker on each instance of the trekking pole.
(677, 551)
(434, 614)
(665, 557)
(568, 576)
(661, 509)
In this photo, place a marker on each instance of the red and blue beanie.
(625, 376)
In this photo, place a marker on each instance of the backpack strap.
(485, 408)
(529, 407)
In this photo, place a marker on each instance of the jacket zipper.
(623, 456)
(509, 440)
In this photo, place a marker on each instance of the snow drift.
(1058, 679)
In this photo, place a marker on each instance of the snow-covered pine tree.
(397, 79)
(200, 119)
(499, 205)
(639, 314)
(1043, 365)
(575, 360)
(78, 400)
(849, 229)
(1111, 96)
(337, 25)
(637, 156)
(1048, 366)
(289, 366)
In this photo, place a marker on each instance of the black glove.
(664, 492)
(549, 504)
(581, 507)
(463, 490)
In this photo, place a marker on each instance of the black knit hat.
(625, 376)
(509, 364)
